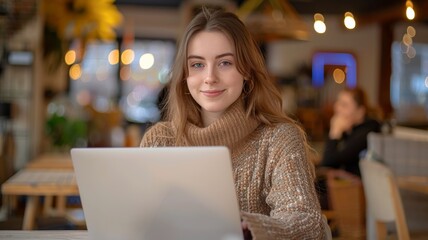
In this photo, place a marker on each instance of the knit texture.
(273, 178)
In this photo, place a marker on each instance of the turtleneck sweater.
(273, 177)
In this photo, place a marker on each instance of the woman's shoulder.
(160, 127)
(371, 125)
(287, 130)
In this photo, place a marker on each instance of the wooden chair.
(346, 197)
(383, 198)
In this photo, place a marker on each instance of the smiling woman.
(221, 95)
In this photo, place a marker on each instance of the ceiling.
(360, 7)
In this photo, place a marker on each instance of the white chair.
(327, 230)
(383, 198)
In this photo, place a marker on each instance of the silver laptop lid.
(158, 193)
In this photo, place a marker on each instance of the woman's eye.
(225, 63)
(197, 65)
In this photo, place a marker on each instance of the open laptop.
(157, 193)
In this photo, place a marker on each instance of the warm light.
(349, 20)
(407, 40)
(410, 12)
(411, 31)
(113, 57)
(147, 61)
(412, 52)
(319, 25)
(70, 57)
(339, 75)
(318, 16)
(127, 56)
(75, 72)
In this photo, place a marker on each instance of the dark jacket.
(344, 153)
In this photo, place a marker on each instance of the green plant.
(65, 132)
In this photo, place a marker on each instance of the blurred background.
(87, 73)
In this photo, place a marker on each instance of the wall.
(363, 42)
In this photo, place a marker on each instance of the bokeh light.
(147, 60)
(339, 75)
(128, 56)
(410, 11)
(411, 31)
(113, 57)
(75, 71)
(70, 57)
(349, 20)
(319, 25)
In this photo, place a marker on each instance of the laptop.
(157, 193)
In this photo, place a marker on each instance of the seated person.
(349, 128)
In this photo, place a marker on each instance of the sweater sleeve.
(295, 211)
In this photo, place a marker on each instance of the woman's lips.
(212, 93)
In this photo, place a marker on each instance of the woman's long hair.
(262, 100)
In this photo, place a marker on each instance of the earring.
(248, 87)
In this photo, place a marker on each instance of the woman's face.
(346, 108)
(214, 81)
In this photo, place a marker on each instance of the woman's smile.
(212, 93)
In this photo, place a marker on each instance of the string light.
(75, 71)
(70, 57)
(127, 56)
(319, 25)
(113, 57)
(410, 11)
(349, 20)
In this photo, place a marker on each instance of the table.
(44, 235)
(413, 183)
(41, 182)
(51, 161)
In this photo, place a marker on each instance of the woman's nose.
(210, 76)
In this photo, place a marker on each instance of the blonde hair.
(262, 100)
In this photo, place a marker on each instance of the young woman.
(349, 128)
(220, 94)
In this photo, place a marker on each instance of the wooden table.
(51, 161)
(413, 183)
(40, 182)
(44, 235)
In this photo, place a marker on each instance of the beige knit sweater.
(273, 177)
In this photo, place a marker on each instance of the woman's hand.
(339, 125)
(246, 231)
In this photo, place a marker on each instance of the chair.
(346, 197)
(383, 198)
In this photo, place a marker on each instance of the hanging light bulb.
(319, 25)
(410, 11)
(349, 20)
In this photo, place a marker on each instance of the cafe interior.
(76, 73)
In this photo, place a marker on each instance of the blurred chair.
(383, 198)
(327, 229)
(346, 197)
